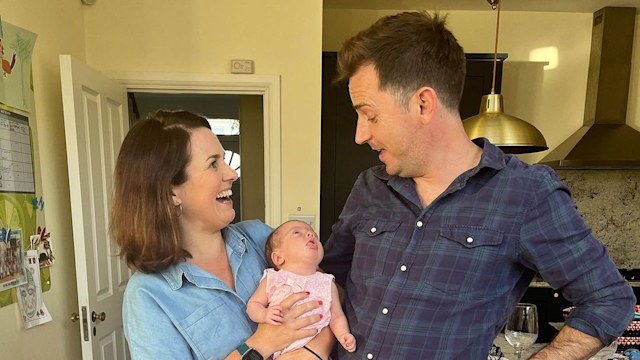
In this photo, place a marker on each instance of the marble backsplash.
(609, 201)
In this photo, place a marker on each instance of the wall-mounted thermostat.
(242, 66)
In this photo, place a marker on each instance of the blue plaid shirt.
(439, 282)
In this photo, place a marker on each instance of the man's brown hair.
(152, 159)
(409, 50)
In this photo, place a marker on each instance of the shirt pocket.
(214, 330)
(465, 261)
(370, 254)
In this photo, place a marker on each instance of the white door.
(95, 120)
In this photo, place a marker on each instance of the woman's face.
(206, 195)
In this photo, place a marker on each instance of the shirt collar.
(175, 274)
(492, 156)
(235, 241)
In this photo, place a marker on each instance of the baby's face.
(299, 243)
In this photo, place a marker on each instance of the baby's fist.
(348, 342)
(274, 315)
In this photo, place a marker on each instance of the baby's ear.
(277, 259)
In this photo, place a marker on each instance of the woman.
(195, 272)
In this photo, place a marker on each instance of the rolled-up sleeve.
(555, 241)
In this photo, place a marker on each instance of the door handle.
(74, 317)
(98, 317)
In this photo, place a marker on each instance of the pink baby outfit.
(281, 284)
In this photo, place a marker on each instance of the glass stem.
(519, 353)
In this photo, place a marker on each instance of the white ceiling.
(579, 6)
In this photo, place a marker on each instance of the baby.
(294, 251)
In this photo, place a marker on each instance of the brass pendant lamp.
(509, 133)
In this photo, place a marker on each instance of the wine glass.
(522, 327)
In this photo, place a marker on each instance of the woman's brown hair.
(152, 159)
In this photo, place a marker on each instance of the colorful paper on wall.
(12, 271)
(16, 48)
(42, 243)
(17, 212)
(16, 166)
(34, 312)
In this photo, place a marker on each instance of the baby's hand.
(348, 342)
(274, 315)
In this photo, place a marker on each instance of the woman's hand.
(271, 338)
(321, 345)
(300, 354)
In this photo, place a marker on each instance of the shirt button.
(373, 229)
(555, 295)
(369, 356)
(403, 268)
(419, 223)
(469, 240)
(385, 311)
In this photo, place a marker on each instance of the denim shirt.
(185, 312)
(438, 282)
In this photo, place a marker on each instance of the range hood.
(605, 141)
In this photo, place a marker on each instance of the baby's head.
(293, 245)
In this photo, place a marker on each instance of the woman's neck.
(208, 252)
(203, 245)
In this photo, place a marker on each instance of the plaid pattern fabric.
(439, 282)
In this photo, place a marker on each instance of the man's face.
(388, 127)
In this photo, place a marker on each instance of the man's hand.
(569, 344)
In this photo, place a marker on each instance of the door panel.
(96, 120)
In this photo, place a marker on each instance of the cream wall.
(282, 37)
(550, 99)
(59, 27)
(198, 36)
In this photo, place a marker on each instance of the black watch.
(248, 353)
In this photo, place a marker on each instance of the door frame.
(247, 84)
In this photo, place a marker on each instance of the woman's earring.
(178, 210)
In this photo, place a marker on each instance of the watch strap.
(243, 349)
(248, 353)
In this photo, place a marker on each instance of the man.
(436, 247)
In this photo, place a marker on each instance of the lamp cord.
(495, 50)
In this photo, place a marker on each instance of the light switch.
(242, 66)
(309, 219)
